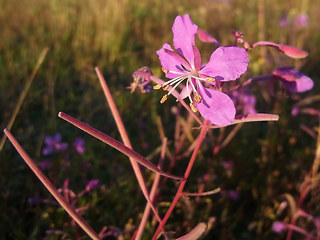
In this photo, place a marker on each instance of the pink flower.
(225, 64)
(79, 145)
(301, 20)
(293, 80)
(278, 226)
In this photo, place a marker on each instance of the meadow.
(266, 173)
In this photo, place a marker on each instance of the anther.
(166, 87)
(193, 107)
(210, 79)
(157, 87)
(164, 70)
(196, 97)
(164, 98)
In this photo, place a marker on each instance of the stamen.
(174, 80)
(210, 79)
(164, 98)
(193, 107)
(196, 97)
(165, 87)
(157, 87)
(164, 70)
(175, 86)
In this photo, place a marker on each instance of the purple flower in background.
(245, 102)
(284, 21)
(293, 80)
(79, 145)
(228, 165)
(301, 20)
(53, 144)
(278, 226)
(232, 194)
(92, 184)
(295, 111)
(225, 64)
(45, 164)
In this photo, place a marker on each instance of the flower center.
(193, 79)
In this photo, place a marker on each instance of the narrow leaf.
(115, 144)
(258, 117)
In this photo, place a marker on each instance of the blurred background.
(262, 162)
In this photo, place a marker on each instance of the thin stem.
(249, 81)
(202, 193)
(153, 191)
(179, 193)
(24, 93)
(125, 139)
(54, 192)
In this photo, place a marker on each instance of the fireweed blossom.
(293, 80)
(225, 64)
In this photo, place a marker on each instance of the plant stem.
(125, 139)
(54, 192)
(24, 93)
(153, 191)
(179, 193)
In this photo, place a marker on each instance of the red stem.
(125, 139)
(50, 187)
(179, 193)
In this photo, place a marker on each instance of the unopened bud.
(292, 51)
(164, 70)
(157, 87)
(193, 107)
(164, 98)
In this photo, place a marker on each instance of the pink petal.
(185, 92)
(184, 31)
(226, 63)
(286, 73)
(197, 57)
(171, 61)
(206, 37)
(216, 106)
(302, 84)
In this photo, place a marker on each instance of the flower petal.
(184, 31)
(206, 37)
(226, 63)
(171, 62)
(186, 91)
(216, 106)
(302, 84)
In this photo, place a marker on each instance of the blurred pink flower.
(301, 20)
(92, 184)
(278, 226)
(293, 80)
(225, 64)
(45, 164)
(284, 21)
(79, 145)
(244, 101)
